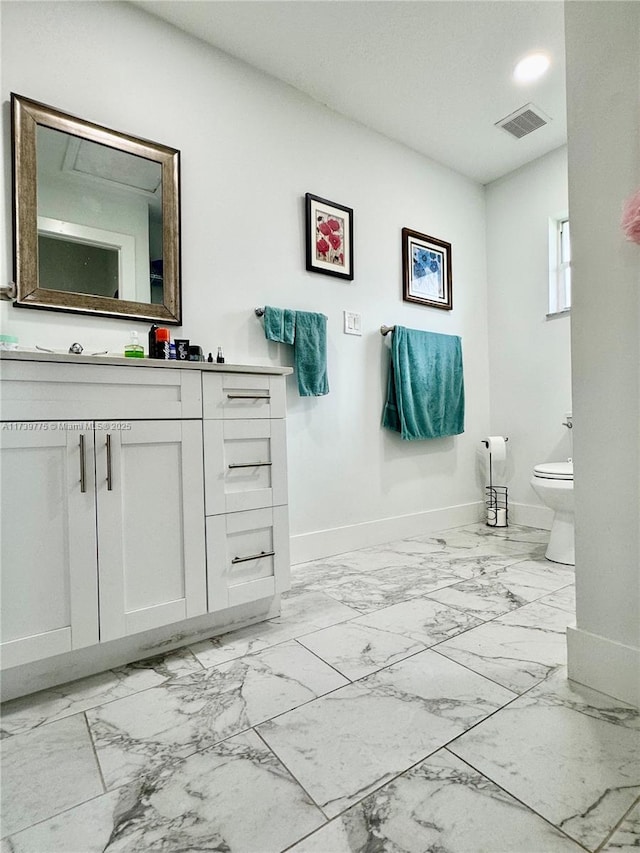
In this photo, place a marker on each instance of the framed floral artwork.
(329, 237)
(426, 270)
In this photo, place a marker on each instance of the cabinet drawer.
(245, 464)
(46, 391)
(247, 556)
(242, 395)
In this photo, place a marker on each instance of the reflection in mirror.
(96, 218)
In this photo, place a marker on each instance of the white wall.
(529, 355)
(251, 147)
(603, 89)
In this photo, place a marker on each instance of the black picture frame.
(329, 237)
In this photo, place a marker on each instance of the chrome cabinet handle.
(253, 557)
(249, 396)
(83, 466)
(109, 475)
(249, 464)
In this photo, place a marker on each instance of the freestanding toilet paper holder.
(496, 497)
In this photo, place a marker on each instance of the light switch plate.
(352, 323)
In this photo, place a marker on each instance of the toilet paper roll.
(497, 447)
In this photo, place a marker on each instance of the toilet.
(553, 483)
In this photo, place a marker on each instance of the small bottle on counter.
(210, 357)
(220, 356)
(134, 348)
(172, 351)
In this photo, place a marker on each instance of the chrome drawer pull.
(83, 466)
(249, 396)
(255, 557)
(249, 464)
(109, 475)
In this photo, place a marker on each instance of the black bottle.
(220, 356)
(152, 341)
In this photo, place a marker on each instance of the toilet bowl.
(553, 483)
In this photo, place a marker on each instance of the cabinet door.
(49, 572)
(247, 556)
(151, 557)
(245, 465)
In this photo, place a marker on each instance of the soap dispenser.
(134, 348)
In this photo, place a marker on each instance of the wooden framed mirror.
(96, 218)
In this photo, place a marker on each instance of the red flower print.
(335, 241)
(322, 246)
(333, 224)
(323, 227)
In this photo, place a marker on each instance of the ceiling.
(435, 75)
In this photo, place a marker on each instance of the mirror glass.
(96, 215)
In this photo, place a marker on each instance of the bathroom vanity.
(144, 506)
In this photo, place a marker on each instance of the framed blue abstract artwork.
(426, 270)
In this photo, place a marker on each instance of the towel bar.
(384, 330)
(259, 312)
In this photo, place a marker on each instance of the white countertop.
(111, 358)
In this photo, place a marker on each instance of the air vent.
(523, 121)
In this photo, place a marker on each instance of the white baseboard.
(604, 665)
(338, 540)
(531, 516)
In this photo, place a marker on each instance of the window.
(559, 265)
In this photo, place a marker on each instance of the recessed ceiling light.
(531, 67)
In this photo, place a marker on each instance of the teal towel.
(279, 324)
(308, 334)
(425, 392)
(310, 354)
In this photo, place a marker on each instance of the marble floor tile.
(479, 539)
(28, 712)
(565, 599)
(501, 591)
(468, 566)
(555, 573)
(514, 533)
(420, 619)
(516, 650)
(375, 640)
(384, 587)
(357, 650)
(46, 771)
(443, 805)
(626, 838)
(312, 576)
(234, 797)
(141, 732)
(301, 614)
(569, 753)
(342, 746)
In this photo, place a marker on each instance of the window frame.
(559, 265)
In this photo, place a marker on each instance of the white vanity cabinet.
(112, 474)
(245, 488)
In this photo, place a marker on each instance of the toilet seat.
(554, 471)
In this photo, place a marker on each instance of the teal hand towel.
(425, 391)
(310, 354)
(308, 334)
(279, 324)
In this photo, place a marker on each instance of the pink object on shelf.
(631, 218)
